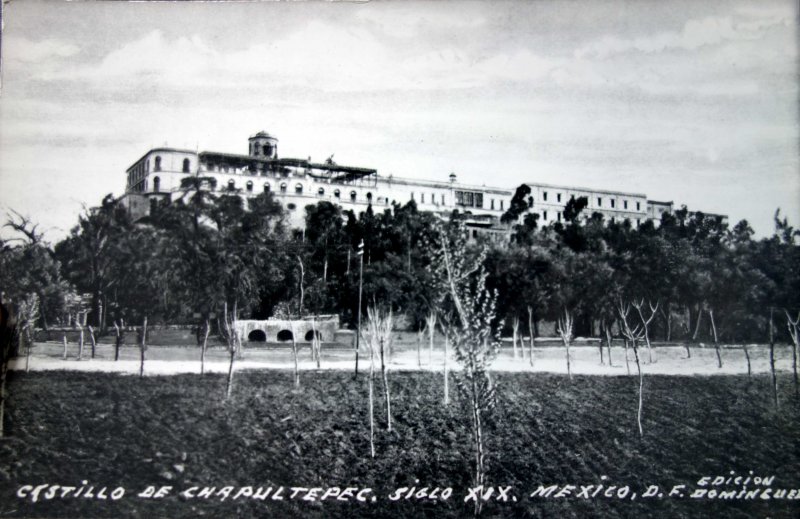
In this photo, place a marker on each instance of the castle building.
(297, 183)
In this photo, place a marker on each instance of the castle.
(297, 183)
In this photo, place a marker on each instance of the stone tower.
(263, 145)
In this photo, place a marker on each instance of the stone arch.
(310, 335)
(285, 335)
(257, 336)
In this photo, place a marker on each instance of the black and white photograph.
(345, 259)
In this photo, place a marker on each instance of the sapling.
(564, 328)
(634, 335)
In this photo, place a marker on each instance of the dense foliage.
(208, 248)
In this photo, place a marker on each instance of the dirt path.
(166, 360)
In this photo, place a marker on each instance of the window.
(558, 197)
(283, 187)
(599, 202)
(501, 205)
(185, 165)
(433, 198)
(336, 193)
(624, 204)
(352, 196)
(267, 150)
(422, 198)
(613, 203)
(468, 199)
(147, 165)
(156, 184)
(369, 197)
(544, 215)
(613, 220)
(442, 198)
(210, 167)
(249, 186)
(492, 203)
(291, 207)
(231, 185)
(544, 196)
(474, 233)
(298, 189)
(321, 191)
(558, 216)
(266, 187)
(157, 165)
(637, 206)
(637, 222)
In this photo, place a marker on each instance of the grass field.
(122, 431)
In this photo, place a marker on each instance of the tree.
(89, 254)
(634, 335)
(471, 335)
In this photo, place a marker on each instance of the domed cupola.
(263, 145)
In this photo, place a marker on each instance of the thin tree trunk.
(28, 343)
(608, 343)
(370, 384)
(600, 347)
(294, 356)
(117, 341)
(697, 325)
(446, 373)
(64, 339)
(716, 342)
(478, 431)
(229, 382)
(772, 358)
(569, 368)
(532, 333)
(143, 347)
(385, 377)
(627, 362)
(514, 334)
(80, 342)
(91, 338)
(431, 330)
(420, 334)
(204, 347)
(641, 388)
(747, 356)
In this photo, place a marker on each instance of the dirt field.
(119, 431)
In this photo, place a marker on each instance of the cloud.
(28, 51)
(694, 35)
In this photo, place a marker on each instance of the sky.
(691, 102)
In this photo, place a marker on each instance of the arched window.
(298, 189)
(320, 191)
(231, 185)
(266, 187)
(283, 187)
(352, 196)
(336, 193)
(147, 165)
(267, 150)
(156, 184)
(369, 197)
(249, 186)
(285, 335)
(157, 165)
(185, 165)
